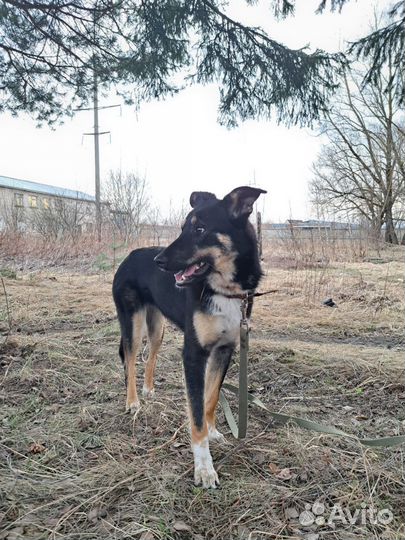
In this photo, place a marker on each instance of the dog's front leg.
(218, 363)
(195, 362)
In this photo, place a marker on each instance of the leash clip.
(243, 308)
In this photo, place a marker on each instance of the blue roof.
(311, 223)
(36, 187)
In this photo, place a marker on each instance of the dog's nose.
(161, 260)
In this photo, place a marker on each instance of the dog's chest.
(219, 324)
(226, 308)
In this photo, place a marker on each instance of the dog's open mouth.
(188, 274)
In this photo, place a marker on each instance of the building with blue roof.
(44, 189)
(24, 203)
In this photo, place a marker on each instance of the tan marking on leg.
(213, 380)
(197, 436)
(138, 325)
(155, 335)
(212, 385)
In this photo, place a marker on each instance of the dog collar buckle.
(243, 308)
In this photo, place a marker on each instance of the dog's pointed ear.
(200, 197)
(239, 202)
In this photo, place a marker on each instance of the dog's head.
(217, 243)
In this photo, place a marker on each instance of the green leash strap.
(243, 381)
(302, 422)
(239, 429)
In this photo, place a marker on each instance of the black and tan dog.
(208, 269)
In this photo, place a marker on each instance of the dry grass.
(75, 466)
(30, 252)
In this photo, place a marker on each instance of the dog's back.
(139, 283)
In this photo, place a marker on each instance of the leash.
(250, 295)
(239, 428)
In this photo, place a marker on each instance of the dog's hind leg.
(217, 367)
(133, 333)
(155, 325)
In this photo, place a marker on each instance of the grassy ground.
(75, 466)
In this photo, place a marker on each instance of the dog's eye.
(200, 231)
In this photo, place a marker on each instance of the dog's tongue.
(189, 271)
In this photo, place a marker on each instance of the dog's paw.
(206, 475)
(132, 407)
(148, 392)
(215, 436)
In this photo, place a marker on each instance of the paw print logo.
(313, 514)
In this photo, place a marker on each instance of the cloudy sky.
(178, 144)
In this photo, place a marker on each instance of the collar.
(249, 295)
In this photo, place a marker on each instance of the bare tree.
(154, 223)
(176, 214)
(361, 169)
(63, 217)
(11, 216)
(128, 199)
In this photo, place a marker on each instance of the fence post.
(259, 234)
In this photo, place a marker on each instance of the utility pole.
(96, 156)
(259, 234)
(96, 134)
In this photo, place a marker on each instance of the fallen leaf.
(274, 469)
(181, 526)
(178, 444)
(285, 474)
(37, 448)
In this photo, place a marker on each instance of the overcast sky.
(178, 144)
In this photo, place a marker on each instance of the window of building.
(19, 199)
(33, 201)
(45, 203)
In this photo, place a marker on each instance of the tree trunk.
(390, 234)
(376, 224)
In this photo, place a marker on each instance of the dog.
(198, 283)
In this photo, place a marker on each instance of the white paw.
(204, 472)
(148, 392)
(215, 436)
(132, 407)
(206, 475)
